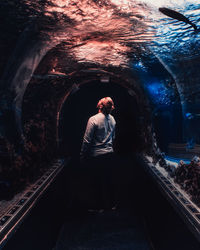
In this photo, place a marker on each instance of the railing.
(15, 211)
(181, 202)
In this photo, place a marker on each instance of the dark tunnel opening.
(83, 192)
(82, 103)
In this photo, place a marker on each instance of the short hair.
(106, 105)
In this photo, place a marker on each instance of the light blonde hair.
(106, 105)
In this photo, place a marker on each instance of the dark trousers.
(101, 170)
(102, 182)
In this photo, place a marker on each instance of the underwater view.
(59, 56)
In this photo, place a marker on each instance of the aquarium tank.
(47, 45)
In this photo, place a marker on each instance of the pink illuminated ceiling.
(100, 32)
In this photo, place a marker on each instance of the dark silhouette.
(176, 15)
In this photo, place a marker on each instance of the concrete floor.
(119, 229)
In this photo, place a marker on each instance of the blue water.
(177, 160)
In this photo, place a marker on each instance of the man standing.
(97, 152)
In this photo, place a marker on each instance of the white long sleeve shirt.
(99, 135)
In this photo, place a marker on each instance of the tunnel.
(82, 103)
(58, 59)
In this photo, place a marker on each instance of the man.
(100, 131)
(97, 153)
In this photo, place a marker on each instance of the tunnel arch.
(66, 86)
(87, 93)
(36, 54)
(48, 67)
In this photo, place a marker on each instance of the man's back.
(104, 132)
(100, 131)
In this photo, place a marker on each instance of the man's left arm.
(87, 139)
